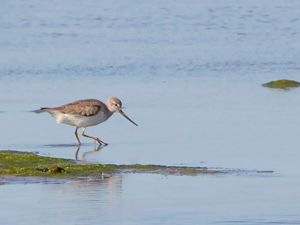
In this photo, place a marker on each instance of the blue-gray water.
(189, 73)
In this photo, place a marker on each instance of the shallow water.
(190, 74)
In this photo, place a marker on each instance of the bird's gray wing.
(89, 107)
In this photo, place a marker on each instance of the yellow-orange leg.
(94, 138)
(76, 135)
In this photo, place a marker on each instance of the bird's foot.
(101, 143)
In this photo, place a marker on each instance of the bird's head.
(115, 105)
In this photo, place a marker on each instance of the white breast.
(79, 121)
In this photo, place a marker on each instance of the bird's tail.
(41, 110)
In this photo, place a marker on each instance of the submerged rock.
(282, 84)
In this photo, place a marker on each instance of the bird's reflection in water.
(106, 188)
(96, 150)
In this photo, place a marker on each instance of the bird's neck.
(109, 112)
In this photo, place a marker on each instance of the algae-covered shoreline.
(25, 164)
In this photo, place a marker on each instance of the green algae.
(24, 164)
(282, 84)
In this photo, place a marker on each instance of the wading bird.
(86, 113)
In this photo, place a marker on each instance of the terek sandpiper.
(86, 113)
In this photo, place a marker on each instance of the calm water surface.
(189, 73)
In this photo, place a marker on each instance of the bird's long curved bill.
(123, 114)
